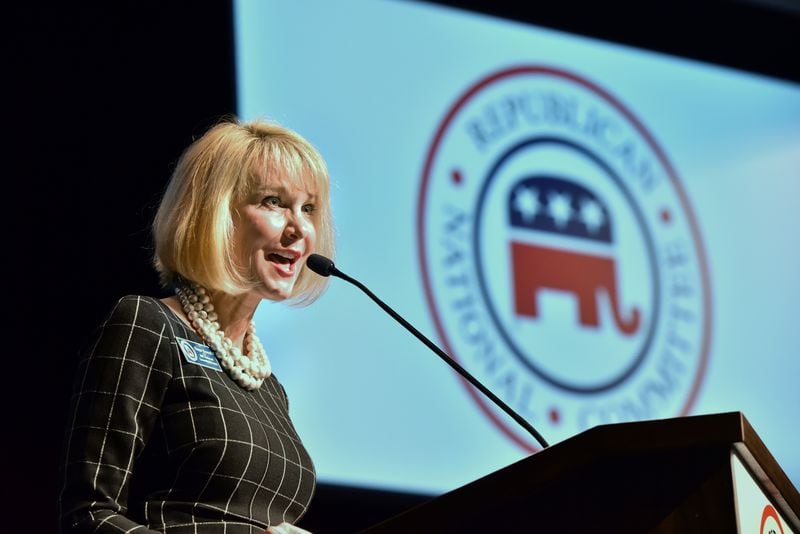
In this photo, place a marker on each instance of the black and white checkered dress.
(156, 443)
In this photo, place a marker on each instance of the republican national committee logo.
(560, 256)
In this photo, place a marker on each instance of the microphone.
(324, 267)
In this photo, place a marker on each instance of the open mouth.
(284, 263)
(283, 260)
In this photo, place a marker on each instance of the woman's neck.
(234, 313)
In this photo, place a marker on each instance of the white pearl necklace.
(248, 370)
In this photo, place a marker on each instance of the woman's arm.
(119, 389)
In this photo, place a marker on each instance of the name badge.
(198, 353)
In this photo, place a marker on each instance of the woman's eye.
(309, 208)
(271, 201)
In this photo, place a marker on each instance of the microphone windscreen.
(320, 264)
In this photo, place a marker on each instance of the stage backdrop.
(598, 233)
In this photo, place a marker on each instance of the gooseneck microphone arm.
(324, 267)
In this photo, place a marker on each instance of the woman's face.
(274, 233)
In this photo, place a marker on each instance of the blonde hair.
(193, 228)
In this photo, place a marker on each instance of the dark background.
(101, 101)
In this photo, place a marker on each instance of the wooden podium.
(709, 474)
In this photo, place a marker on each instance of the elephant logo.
(557, 207)
(560, 256)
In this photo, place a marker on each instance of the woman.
(177, 423)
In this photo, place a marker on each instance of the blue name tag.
(198, 353)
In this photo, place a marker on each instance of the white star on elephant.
(526, 202)
(559, 206)
(591, 214)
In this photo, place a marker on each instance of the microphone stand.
(330, 269)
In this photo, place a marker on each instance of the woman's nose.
(295, 226)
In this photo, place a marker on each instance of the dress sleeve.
(117, 397)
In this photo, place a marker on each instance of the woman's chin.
(275, 292)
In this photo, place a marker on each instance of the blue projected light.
(599, 233)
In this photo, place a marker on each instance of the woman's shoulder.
(136, 328)
(142, 312)
(135, 306)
